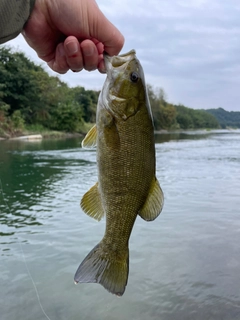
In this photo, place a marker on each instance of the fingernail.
(72, 47)
(89, 51)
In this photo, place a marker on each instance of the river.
(184, 265)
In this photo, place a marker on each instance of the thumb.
(105, 32)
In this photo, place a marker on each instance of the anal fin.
(154, 203)
(91, 203)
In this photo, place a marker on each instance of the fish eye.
(134, 76)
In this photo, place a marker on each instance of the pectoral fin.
(90, 141)
(154, 203)
(91, 203)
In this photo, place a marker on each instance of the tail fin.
(101, 266)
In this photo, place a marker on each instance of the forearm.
(13, 16)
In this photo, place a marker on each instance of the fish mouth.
(131, 52)
(118, 61)
(115, 66)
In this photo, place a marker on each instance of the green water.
(184, 265)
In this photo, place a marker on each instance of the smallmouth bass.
(127, 185)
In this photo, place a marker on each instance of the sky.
(190, 48)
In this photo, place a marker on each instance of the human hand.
(71, 34)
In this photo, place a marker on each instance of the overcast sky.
(190, 48)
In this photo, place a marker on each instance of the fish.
(127, 186)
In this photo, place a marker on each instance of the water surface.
(184, 265)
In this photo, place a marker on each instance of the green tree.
(19, 85)
(37, 98)
(67, 117)
(226, 118)
(164, 113)
(88, 100)
(188, 118)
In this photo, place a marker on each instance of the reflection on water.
(184, 265)
(181, 135)
(30, 174)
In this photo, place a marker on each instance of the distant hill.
(188, 118)
(226, 118)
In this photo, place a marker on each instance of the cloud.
(190, 48)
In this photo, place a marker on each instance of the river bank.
(47, 134)
(40, 136)
(35, 132)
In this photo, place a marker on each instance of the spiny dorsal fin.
(90, 140)
(91, 203)
(154, 203)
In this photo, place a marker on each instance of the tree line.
(29, 96)
(169, 116)
(226, 118)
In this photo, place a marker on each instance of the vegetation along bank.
(32, 101)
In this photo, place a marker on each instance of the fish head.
(124, 89)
